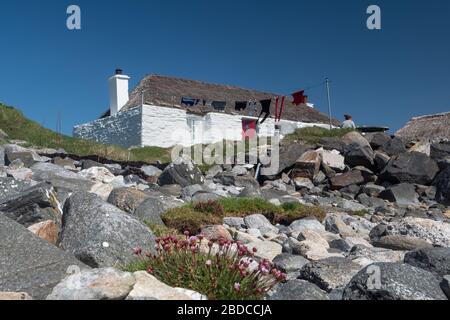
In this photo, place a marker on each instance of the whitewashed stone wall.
(167, 127)
(123, 129)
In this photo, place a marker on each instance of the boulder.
(403, 194)
(306, 224)
(87, 164)
(358, 151)
(394, 147)
(372, 190)
(98, 284)
(30, 264)
(47, 230)
(288, 263)
(98, 174)
(393, 281)
(289, 154)
(234, 222)
(10, 187)
(307, 166)
(65, 163)
(216, 232)
(331, 273)
(365, 256)
(303, 183)
(442, 184)
(435, 260)
(182, 171)
(150, 210)
(100, 234)
(14, 296)
(36, 204)
(265, 249)
(332, 143)
(381, 161)
(297, 290)
(354, 177)
(378, 140)
(260, 222)
(400, 242)
(333, 159)
(60, 177)
(445, 286)
(27, 156)
(411, 167)
(151, 171)
(436, 233)
(335, 224)
(147, 287)
(127, 199)
(440, 151)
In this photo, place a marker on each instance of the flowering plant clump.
(211, 206)
(221, 270)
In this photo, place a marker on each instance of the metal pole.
(329, 102)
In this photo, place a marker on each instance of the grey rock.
(307, 224)
(332, 143)
(394, 147)
(60, 177)
(355, 155)
(372, 190)
(234, 222)
(440, 151)
(365, 256)
(400, 242)
(100, 234)
(182, 171)
(30, 264)
(414, 167)
(354, 177)
(397, 282)
(214, 171)
(436, 233)
(127, 199)
(98, 284)
(297, 290)
(239, 170)
(150, 210)
(381, 161)
(371, 202)
(442, 184)
(307, 166)
(36, 204)
(11, 187)
(435, 260)
(445, 286)
(151, 171)
(403, 194)
(189, 191)
(289, 263)
(378, 140)
(87, 164)
(331, 273)
(260, 222)
(340, 244)
(203, 196)
(289, 154)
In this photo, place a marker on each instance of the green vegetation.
(194, 216)
(14, 123)
(218, 269)
(359, 213)
(314, 134)
(161, 230)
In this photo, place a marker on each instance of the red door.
(248, 129)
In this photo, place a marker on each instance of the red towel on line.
(299, 98)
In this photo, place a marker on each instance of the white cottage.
(153, 115)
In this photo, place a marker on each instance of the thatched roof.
(168, 91)
(430, 127)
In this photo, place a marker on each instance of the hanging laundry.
(241, 105)
(279, 107)
(219, 105)
(252, 108)
(189, 101)
(265, 110)
(300, 98)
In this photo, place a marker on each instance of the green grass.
(190, 218)
(18, 127)
(314, 134)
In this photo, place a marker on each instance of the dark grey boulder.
(394, 147)
(435, 260)
(402, 194)
(289, 263)
(442, 184)
(30, 264)
(381, 161)
(150, 209)
(332, 143)
(445, 286)
(60, 177)
(203, 196)
(393, 281)
(87, 164)
(182, 171)
(331, 273)
(378, 140)
(100, 234)
(354, 177)
(127, 199)
(10, 187)
(440, 151)
(289, 154)
(357, 155)
(400, 242)
(36, 204)
(297, 290)
(414, 167)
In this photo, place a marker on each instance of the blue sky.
(381, 77)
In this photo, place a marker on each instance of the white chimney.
(118, 91)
